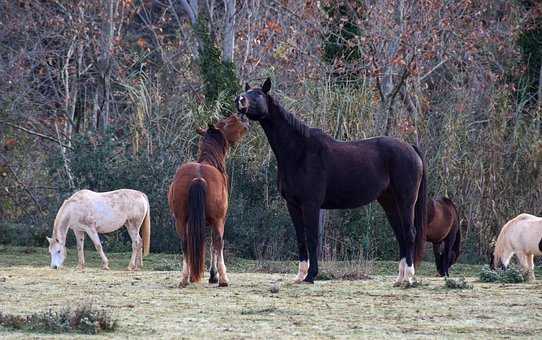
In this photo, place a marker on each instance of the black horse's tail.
(420, 214)
(195, 233)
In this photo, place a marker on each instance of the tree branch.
(433, 69)
(36, 134)
(25, 188)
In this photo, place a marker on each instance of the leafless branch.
(36, 134)
(25, 188)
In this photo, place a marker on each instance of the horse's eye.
(58, 252)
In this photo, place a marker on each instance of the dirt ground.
(148, 304)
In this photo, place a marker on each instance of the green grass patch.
(459, 283)
(510, 275)
(83, 319)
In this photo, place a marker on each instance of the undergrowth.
(83, 319)
(510, 275)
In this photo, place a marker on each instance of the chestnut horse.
(198, 196)
(317, 172)
(444, 232)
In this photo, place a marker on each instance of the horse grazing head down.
(57, 250)
(254, 101)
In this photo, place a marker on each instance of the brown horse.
(444, 232)
(198, 196)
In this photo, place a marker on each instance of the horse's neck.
(211, 156)
(283, 139)
(60, 232)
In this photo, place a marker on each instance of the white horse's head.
(57, 250)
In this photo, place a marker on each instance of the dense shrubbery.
(127, 108)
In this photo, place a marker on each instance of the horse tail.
(420, 214)
(195, 233)
(146, 230)
(456, 228)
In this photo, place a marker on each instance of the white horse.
(95, 213)
(521, 236)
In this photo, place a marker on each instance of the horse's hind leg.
(137, 244)
(388, 203)
(525, 263)
(185, 272)
(530, 263)
(218, 246)
(213, 273)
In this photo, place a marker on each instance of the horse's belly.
(107, 219)
(435, 234)
(352, 195)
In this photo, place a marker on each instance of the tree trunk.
(229, 31)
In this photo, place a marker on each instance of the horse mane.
(500, 244)
(295, 123)
(213, 148)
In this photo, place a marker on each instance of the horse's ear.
(211, 126)
(266, 85)
(200, 131)
(247, 87)
(50, 240)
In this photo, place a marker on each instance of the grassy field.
(149, 304)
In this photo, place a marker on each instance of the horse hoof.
(397, 284)
(223, 284)
(213, 280)
(307, 281)
(183, 284)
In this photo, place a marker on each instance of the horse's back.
(524, 233)
(215, 184)
(107, 211)
(359, 172)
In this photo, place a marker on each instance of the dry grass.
(149, 304)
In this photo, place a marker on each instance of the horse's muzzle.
(242, 105)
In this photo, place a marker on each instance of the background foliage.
(106, 95)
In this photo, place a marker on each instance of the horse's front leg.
(93, 235)
(297, 219)
(311, 217)
(80, 238)
(218, 246)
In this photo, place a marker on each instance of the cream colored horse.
(521, 236)
(96, 213)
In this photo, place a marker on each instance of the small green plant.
(83, 319)
(459, 283)
(510, 275)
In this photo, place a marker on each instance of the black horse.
(317, 172)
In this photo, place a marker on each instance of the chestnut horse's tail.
(195, 232)
(420, 214)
